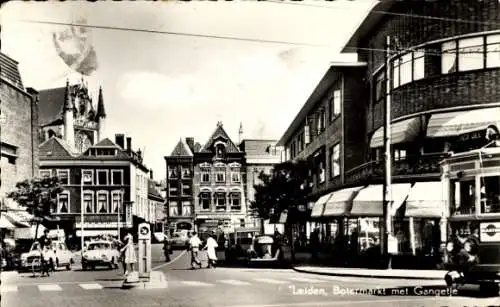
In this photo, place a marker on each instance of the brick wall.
(19, 129)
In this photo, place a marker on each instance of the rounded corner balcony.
(454, 72)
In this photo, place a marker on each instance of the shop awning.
(369, 201)
(456, 123)
(401, 132)
(340, 202)
(5, 224)
(425, 199)
(95, 233)
(17, 219)
(319, 205)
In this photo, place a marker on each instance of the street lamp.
(82, 216)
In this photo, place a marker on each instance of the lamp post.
(82, 207)
(120, 206)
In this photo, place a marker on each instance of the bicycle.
(41, 265)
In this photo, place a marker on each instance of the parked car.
(264, 250)
(100, 253)
(179, 240)
(57, 254)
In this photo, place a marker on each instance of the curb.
(366, 275)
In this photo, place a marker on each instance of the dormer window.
(220, 150)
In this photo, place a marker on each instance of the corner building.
(445, 99)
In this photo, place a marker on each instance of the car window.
(176, 235)
(35, 246)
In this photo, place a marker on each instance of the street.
(231, 287)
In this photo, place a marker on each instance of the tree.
(286, 189)
(38, 196)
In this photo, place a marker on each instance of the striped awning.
(340, 202)
(319, 205)
(456, 123)
(426, 199)
(401, 132)
(369, 201)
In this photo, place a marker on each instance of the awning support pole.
(387, 197)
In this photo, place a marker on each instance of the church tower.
(240, 133)
(101, 117)
(69, 126)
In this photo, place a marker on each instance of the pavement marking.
(49, 287)
(170, 262)
(8, 288)
(92, 286)
(308, 280)
(234, 282)
(271, 281)
(196, 283)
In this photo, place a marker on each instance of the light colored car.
(104, 253)
(179, 240)
(57, 254)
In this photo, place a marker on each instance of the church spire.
(101, 113)
(240, 133)
(68, 104)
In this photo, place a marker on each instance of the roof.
(9, 71)
(153, 192)
(56, 149)
(220, 133)
(331, 75)
(368, 24)
(100, 105)
(182, 149)
(51, 103)
(107, 143)
(258, 149)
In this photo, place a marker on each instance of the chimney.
(120, 140)
(129, 144)
(151, 173)
(190, 143)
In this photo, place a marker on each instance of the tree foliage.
(286, 188)
(38, 195)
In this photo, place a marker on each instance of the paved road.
(221, 287)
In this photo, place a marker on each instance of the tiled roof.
(220, 133)
(9, 71)
(257, 148)
(51, 103)
(182, 149)
(105, 143)
(56, 149)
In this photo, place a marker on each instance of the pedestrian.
(167, 249)
(211, 254)
(194, 246)
(314, 244)
(129, 254)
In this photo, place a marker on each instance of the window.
(45, 173)
(205, 200)
(399, 154)
(242, 223)
(463, 197)
(172, 172)
(336, 104)
(205, 175)
(116, 201)
(471, 53)
(307, 136)
(380, 86)
(449, 57)
(490, 194)
(235, 177)
(418, 65)
(174, 208)
(63, 202)
(235, 198)
(396, 73)
(321, 172)
(220, 201)
(172, 189)
(405, 69)
(335, 161)
(186, 173)
(102, 202)
(88, 177)
(300, 140)
(493, 51)
(186, 190)
(220, 151)
(186, 209)
(88, 202)
(320, 122)
(220, 176)
(63, 175)
(102, 177)
(116, 177)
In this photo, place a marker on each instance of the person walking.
(194, 246)
(167, 249)
(211, 254)
(128, 251)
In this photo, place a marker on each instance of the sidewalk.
(371, 273)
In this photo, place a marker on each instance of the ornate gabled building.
(179, 185)
(219, 184)
(69, 112)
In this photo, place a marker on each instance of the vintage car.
(179, 240)
(103, 253)
(264, 250)
(57, 255)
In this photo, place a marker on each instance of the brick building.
(445, 98)
(18, 135)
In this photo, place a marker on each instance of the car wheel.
(84, 266)
(68, 266)
(57, 263)
(112, 263)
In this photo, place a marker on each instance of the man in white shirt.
(194, 246)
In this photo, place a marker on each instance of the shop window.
(205, 201)
(402, 235)
(490, 194)
(427, 237)
(463, 197)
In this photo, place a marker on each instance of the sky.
(158, 87)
